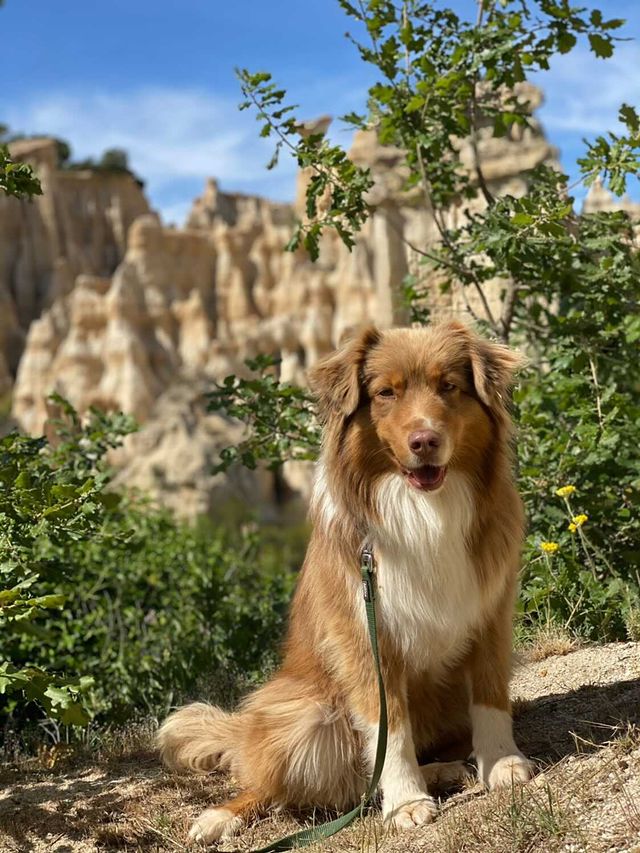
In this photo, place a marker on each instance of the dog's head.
(417, 401)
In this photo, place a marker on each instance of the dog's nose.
(424, 440)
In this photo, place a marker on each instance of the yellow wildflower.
(565, 491)
(549, 547)
(579, 520)
(573, 527)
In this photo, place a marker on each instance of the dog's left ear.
(493, 366)
(336, 381)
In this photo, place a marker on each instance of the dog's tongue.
(427, 477)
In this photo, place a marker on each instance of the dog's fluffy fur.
(415, 461)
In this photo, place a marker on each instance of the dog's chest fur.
(428, 591)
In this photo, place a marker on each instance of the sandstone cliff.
(78, 225)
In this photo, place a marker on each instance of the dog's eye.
(448, 386)
(387, 392)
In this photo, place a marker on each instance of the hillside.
(578, 715)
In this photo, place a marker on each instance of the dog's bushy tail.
(199, 737)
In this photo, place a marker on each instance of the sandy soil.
(578, 715)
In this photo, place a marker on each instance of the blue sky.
(156, 77)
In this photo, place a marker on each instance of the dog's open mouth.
(427, 478)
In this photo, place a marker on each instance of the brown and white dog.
(416, 462)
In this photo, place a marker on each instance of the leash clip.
(366, 558)
(367, 568)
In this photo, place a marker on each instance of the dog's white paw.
(412, 813)
(509, 770)
(500, 762)
(214, 824)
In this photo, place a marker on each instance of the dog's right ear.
(336, 381)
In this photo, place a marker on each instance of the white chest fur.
(428, 592)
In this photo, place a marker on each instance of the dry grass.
(578, 715)
(548, 641)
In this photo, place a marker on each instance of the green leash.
(325, 830)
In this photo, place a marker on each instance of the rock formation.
(148, 327)
(77, 226)
(599, 199)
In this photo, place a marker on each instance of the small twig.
(485, 305)
(407, 57)
(335, 180)
(597, 390)
(585, 543)
(447, 242)
(488, 196)
(508, 309)
(574, 608)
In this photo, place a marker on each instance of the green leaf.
(75, 714)
(414, 104)
(629, 116)
(50, 601)
(601, 46)
(566, 42)
(8, 596)
(59, 696)
(23, 480)
(522, 219)
(109, 500)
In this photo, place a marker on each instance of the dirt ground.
(578, 716)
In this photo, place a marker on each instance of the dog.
(416, 462)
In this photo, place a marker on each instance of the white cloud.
(175, 139)
(583, 93)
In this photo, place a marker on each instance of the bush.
(158, 611)
(115, 160)
(110, 609)
(50, 498)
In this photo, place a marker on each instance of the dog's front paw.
(214, 824)
(507, 771)
(412, 813)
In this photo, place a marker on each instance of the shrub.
(159, 610)
(112, 609)
(50, 498)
